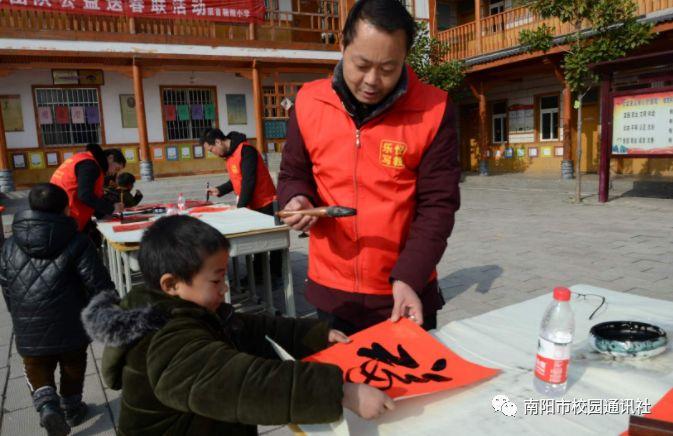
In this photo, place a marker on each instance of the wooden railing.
(318, 23)
(501, 31)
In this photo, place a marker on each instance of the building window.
(499, 123)
(68, 116)
(188, 111)
(549, 113)
(496, 7)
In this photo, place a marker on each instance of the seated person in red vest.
(118, 190)
(375, 138)
(249, 179)
(82, 177)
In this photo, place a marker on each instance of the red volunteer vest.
(265, 191)
(372, 169)
(65, 177)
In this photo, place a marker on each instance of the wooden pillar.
(477, 23)
(259, 107)
(567, 169)
(479, 91)
(252, 31)
(146, 171)
(6, 181)
(432, 11)
(606, 139)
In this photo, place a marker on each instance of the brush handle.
(318, 211)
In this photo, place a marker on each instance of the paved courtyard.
(515, 238)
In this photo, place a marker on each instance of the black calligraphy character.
(377, 355)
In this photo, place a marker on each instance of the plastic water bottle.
(181, 203)
(554, 342)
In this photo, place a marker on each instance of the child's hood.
(108, 320)
(42, 234)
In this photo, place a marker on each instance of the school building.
(147, 76)
(516, 113)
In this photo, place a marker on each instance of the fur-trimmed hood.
(109, 323)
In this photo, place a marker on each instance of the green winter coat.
(194, 372)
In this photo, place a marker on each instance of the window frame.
(38, 129)
(541, 112)
(164, 125)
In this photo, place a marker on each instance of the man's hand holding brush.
(299, 222)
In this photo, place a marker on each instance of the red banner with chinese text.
(233, 11)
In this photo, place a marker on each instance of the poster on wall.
(172, 153)
(12, 116)
(521, 122)
(127, 106)
(130, 154)
(19, 160)
(52, 159)
(35, 160)
(643, 124)
(236, 112)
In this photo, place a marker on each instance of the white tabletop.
(229, 222)
(507, 339)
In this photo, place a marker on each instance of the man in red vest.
(375, 138)
(82, 177)
(249, 179)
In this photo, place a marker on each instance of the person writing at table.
(375, 138)
(82, 178)
(249, 179)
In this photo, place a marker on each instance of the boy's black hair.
(47, 197)
(126, 180)
(387, 15)
(177, 245)
(210, 135)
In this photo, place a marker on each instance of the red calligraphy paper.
(209, 209)
(169, 111)
(131, 227)
(62, 114)
(662, 411)
(403, 360)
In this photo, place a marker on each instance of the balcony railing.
(501, 31)
(318, 23)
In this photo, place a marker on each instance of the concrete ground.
(516, 237)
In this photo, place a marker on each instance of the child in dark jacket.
(188, 365)
(118, 190)
(48, 271)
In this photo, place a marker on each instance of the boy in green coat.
(188, 365)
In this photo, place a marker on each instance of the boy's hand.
(118, 207)
(366, 401)
(337, 336)
(213, 191)
(299, 222)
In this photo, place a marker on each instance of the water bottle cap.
(562, 294)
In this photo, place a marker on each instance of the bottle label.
(551, 364)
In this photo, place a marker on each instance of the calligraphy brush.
(320, 212)
(207, 191)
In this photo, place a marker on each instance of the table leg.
(251, 278)
(268, 291)
(119, 272)
(227, 296)
(112, 267)
(127, 271)
(287, 284)
(235, 275)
